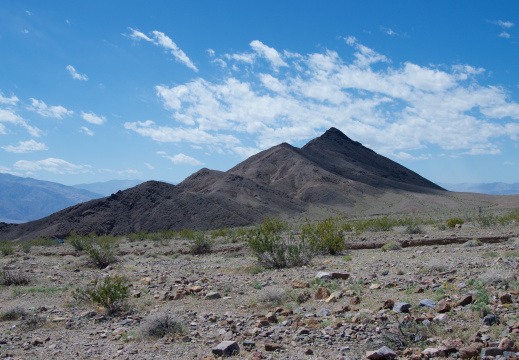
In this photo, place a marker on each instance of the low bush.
(160, 324)
(271, 295)
(393, 245)
(10, 277)
(325, 236)
(201, 244)
(413, 229)
(6, 248)
(452, 222)
(101, 250)
(78, 242)
(111, 293)
(472, 243)
(13, 313)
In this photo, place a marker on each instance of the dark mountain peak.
(332, 138)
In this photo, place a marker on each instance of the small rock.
(443, 306)
(491, 351)
(401, 307)
(37, 341)
(428, 303)
(355, 300)
(388, 304)
(226, 348)
(299, 284)
(434, 352)
(384, 353)
(323, 276)
(465, 300)
(441, 318)
(505, 298)
(212, 295)
(272, 347)
(471, 351)
(490, 319)
(308, 351)
(249, 344)
(375, 286)
(257, 356)
(324, 312)
(508, 345)
(338, 275)
(322, 293)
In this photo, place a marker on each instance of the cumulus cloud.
(25, 147)
(162, 40)
(181, 159)
(75, 75)
(505, 24)
(53, 165)
(87, 131)
(93, 118)
(369, 98)
(58, 112)
(12, 100)
(9, 116)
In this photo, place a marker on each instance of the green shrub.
(452, 222)
(201, 244)
(486, 220)
(160, 324)
(101, 250)
(187, 234)
(413, 229)
(112, 293)
(393, 245)
(255, 269)
(78, 242)
(325, 236)
(7, 248)
(272, 296)
(10, 277)
(277, 251)
(13, 313)
(25, 247)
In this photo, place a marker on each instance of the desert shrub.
(78, 242)
(32, 322)
(201, 244)
(187, 234)
(255, 269)
(44, 241)
(325, 236)
(6, 248)
(111, 293)
(25, 247)
(101, 250)
(393, 245)
(137, 236)
(13, 313)
(437, 265)
(413, 229)
(486, 220)
(160, 324)
(220, 232)
(10, 277)
(472, 243)
(277, 251)
(509, 218)
(347, 257)
(347, 227)
(482, 297)
(271, 295)
(452, 222)
(495, 276)
(273, 225)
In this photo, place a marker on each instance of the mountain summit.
(330, 173)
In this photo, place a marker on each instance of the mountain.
(496, 188)
(108, 188)
(331, 174)
(25, 199)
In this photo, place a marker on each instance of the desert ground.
(444, 292)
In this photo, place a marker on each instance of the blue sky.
(100, 90)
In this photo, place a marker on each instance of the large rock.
(471, 351)
(401, 307)
(508, 345)
(299, 284)
(322, 293)
(428, 303)
(226, 348)
(384, 353)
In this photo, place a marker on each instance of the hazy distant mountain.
(497, 188)
(25, 199)
(108, 188)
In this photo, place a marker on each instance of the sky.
(93, 91)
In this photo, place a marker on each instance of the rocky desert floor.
(451, 297)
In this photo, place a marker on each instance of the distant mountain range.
(108, 188)
(331, 174)
(497, 188)
(26, 199)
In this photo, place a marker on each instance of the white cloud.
(56, 166)
(44, 110)
(93, 118)
(121, 172)
(369, 98)
(87, 131)
(389, 31)
(181, 159)
(160, 39)
(8, 100)
(8, 116)
(149, 166)
(269, 53)
(75, 75)
(505, 24)
(25, 147)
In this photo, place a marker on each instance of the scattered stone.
(441, 318)
(336, 295)
(443, 306)
(308, 351)
(249, 344)
(508, 345)
(434, 352)
(401, 307)
(490, 319)
(322, 293)
(428, 303)
(491, 351)
(355, 300)
(375, 286)
(452, 345)
(465, 300)
(323, 276)
(212, 295)
(388, 304)
(324, 312)
(338, 275)
(257, 356)
(505, 298)
(226, 348)
(299, 284)
(471, 351)
(384, 353)
(272, 347)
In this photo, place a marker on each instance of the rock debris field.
(458, 300)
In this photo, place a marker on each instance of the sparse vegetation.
(101, 250)
(201, 244)
(452, 222)
(13, 313)
(10, 277)
(111, 293)
(390, 246)
(6, 248)
(324, 236)
(271, 295)
(160, 324)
